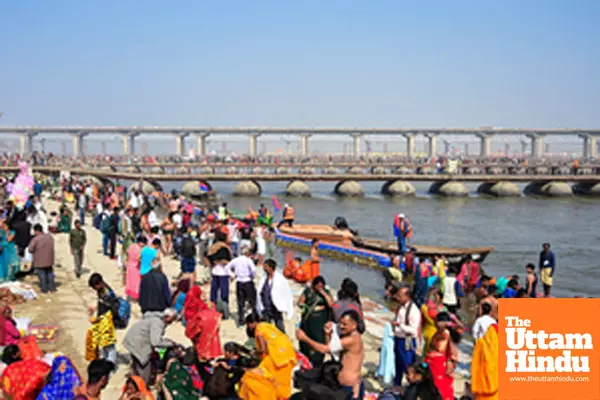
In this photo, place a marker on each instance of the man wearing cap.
(243, 269)
(403, 231)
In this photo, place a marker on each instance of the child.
(421, 384)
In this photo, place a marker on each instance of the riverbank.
(68, 308)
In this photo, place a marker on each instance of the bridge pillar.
(356, 144)
(129, 143)
(78, 143)
(589, 146)
(537, 145)
(410, 144)
(432, 148)
(201, 144)
(304, 148)
(180, 141)
(486, 144)
(253, 139)
(27, 142)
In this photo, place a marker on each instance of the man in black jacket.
(155, 294)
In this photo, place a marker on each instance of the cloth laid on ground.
(23, 380)
(44, 333)
(20, 289)
(64, 380)
(100, 334)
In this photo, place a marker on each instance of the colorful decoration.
(23, 186)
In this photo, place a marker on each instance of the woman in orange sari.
(272, 379)
(202, 325)
(484, 366)
(442, 355)
(135, 389)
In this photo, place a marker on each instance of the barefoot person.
(352, 352)
(547, 265)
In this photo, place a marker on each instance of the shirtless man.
(352, 352)
(492, 300)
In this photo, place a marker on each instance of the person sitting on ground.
(421, 385)
(278, 360)
(99, 372)
(9, 334)
(135, 389)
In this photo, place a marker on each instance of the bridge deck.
(313, 177)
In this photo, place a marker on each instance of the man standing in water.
(547, 265)
(352, 352)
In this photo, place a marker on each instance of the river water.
(516, 227)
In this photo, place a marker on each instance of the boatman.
(288, 216)
(403, 231)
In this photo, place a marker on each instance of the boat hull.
(319, 232)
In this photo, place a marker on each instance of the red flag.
(276, 203)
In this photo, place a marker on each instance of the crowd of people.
(419, 350)
(436, 299)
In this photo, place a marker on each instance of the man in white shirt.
(274, 296)
(243, 270)
(482, 323)
(233, 236)
(406, 331)
(178, 219)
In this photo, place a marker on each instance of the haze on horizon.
(507, 63)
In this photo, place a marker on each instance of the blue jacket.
(547, 260)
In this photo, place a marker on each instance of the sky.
(523, 63)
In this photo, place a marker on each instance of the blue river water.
(516, 227)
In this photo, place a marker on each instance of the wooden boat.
(321, 232)
(453, 253)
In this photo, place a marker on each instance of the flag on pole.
(203, 186)
(276, 204)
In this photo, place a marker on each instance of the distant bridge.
(129, 133)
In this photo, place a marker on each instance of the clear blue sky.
(311, 63)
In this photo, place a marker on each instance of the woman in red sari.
(442, 355)
(202, 328)
(25, 379)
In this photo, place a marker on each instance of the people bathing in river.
(403, 231)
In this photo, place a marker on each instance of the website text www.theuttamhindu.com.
(568, 378)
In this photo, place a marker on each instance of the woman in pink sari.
(133, 278)
(202, 325)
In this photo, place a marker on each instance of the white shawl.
(281, 294)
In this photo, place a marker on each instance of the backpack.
(123, 314)
(105, 224)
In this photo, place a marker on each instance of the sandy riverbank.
(68, 308)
